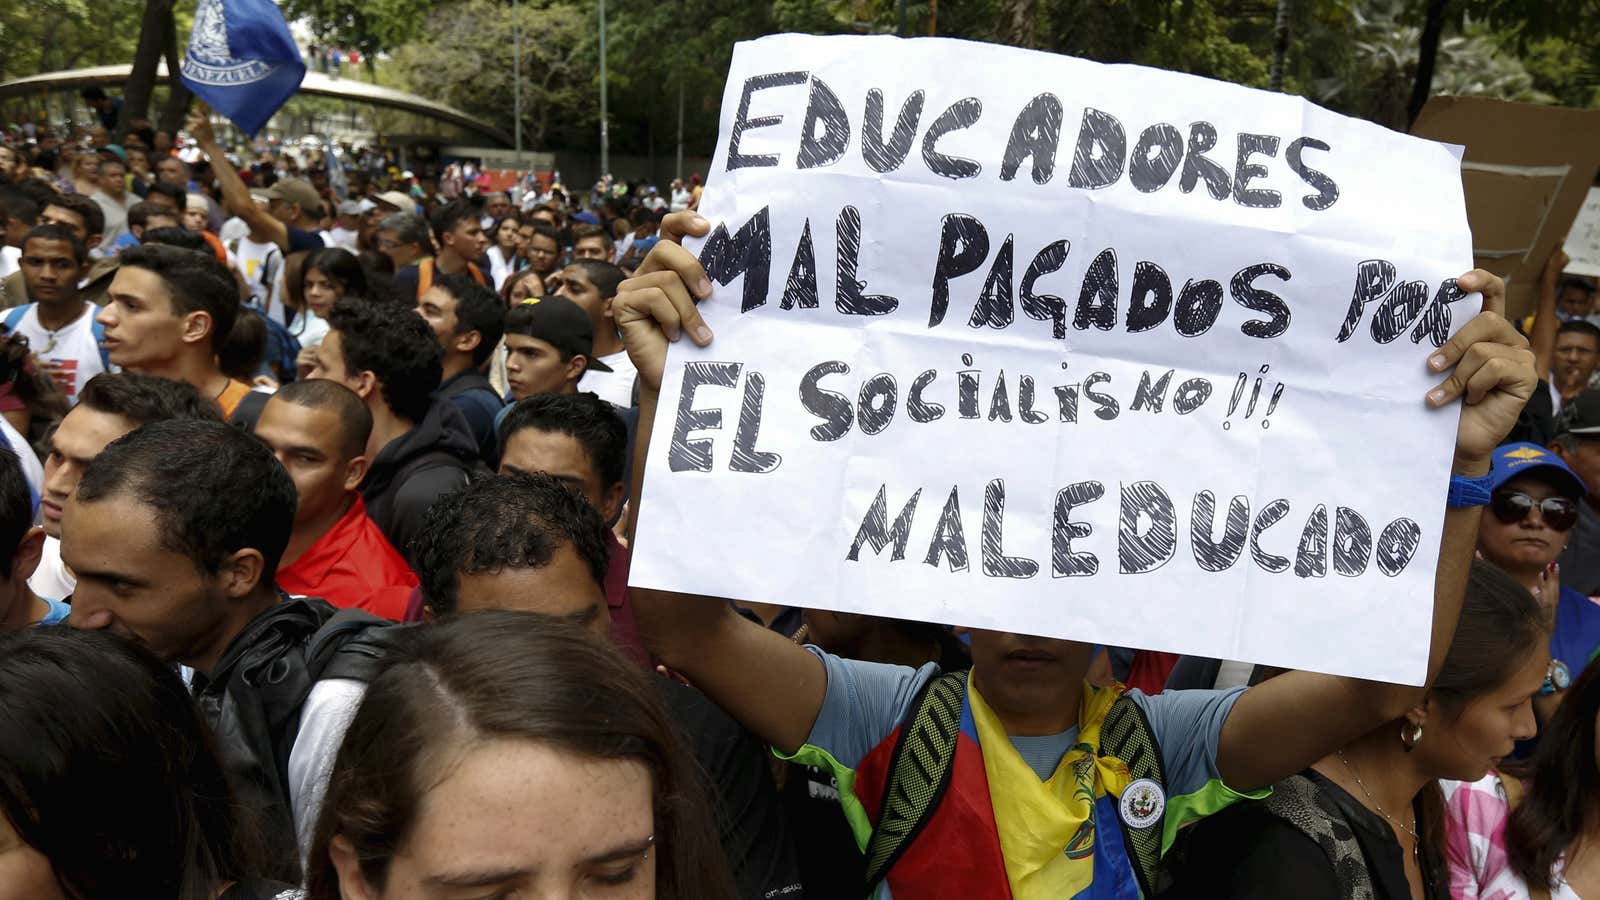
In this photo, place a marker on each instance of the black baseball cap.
(1580, 416)
(558, 321)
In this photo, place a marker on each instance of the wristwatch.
(1465, 491)
(1558, 678)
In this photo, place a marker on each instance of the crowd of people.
(315, 520)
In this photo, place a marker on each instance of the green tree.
(370, 26)
(464, 57)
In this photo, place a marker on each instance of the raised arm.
(1283, 725)
(235, 195)
(773, 686)
(1542, 336)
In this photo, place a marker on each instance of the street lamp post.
(605, 148)
(516, 65)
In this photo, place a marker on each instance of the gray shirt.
(1580, 562)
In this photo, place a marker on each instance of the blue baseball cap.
(1521, 458)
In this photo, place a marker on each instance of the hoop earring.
(1410, 736)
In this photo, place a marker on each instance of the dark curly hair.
(394, 344)
(94, 218)
(586, 418)
(515, 521)
(215, 489)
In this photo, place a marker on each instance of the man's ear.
(611, 502)
(91, 242)
(243, 571)
(366, 382)
(25, 561)
(352, 884)
(468, 341)
(197, 327)
(354, 471)
(576, 366)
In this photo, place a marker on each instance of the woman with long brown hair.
(1532, 830)
(513, 753)
(1368, 819)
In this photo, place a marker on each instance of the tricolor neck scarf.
(1047, 829)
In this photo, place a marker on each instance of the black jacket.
(415, 469)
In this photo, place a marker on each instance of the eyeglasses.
(1511, 507)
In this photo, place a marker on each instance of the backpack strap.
(248, 411)
(1126, 735)
(919, 772)
(14, 317)
(477, 274)
(1297, 801)
(99, 332)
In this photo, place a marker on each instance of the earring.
(1410, 736)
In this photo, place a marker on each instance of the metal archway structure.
(316, 84)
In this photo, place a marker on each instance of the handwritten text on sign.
(1029, 343)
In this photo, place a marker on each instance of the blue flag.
(242, 60)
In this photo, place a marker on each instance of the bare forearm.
(1542, 336)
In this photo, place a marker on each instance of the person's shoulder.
(300, 239)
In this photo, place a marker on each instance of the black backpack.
(254, 697)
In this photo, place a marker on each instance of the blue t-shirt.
(865, 702)
(57, 614)
(1577, 632)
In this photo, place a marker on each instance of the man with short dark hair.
(592, 284)
(461, 243)
(593, 242)
(530, 543)
(1576, 356)
(541, 244)
(293, 206)
(145, 216)
(59, 324)
(79, 213)
(169, 313)
(549, 346)
(21, 543)
(467, 318)
(581, 440)
(318, 429)
(110, 406)
(418, 449)
(174, 533)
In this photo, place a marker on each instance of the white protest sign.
(1583, 240)
(1034, 344)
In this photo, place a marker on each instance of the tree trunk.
(1280, 44)
(177, 93)
(1017, 18)
(153, 28)
(1427, 57)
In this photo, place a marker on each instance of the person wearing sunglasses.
(1533, 506)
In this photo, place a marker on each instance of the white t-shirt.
(341, 237)
(324, 718)
(615, 386)
(10, 260)
(499, 267)
(51, 579)
(72, 349)
(253, 258)
(32, 472)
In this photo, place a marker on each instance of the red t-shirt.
(353, 565)
(624, 632)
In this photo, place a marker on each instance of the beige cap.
(297, 191)
(398, 201)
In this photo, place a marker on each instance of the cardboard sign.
(1527, 170)
(1583, 239)
(1029, 343)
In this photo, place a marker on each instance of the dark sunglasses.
(1511, 507)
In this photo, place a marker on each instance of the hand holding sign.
(1494, 375)
(1147, 398)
